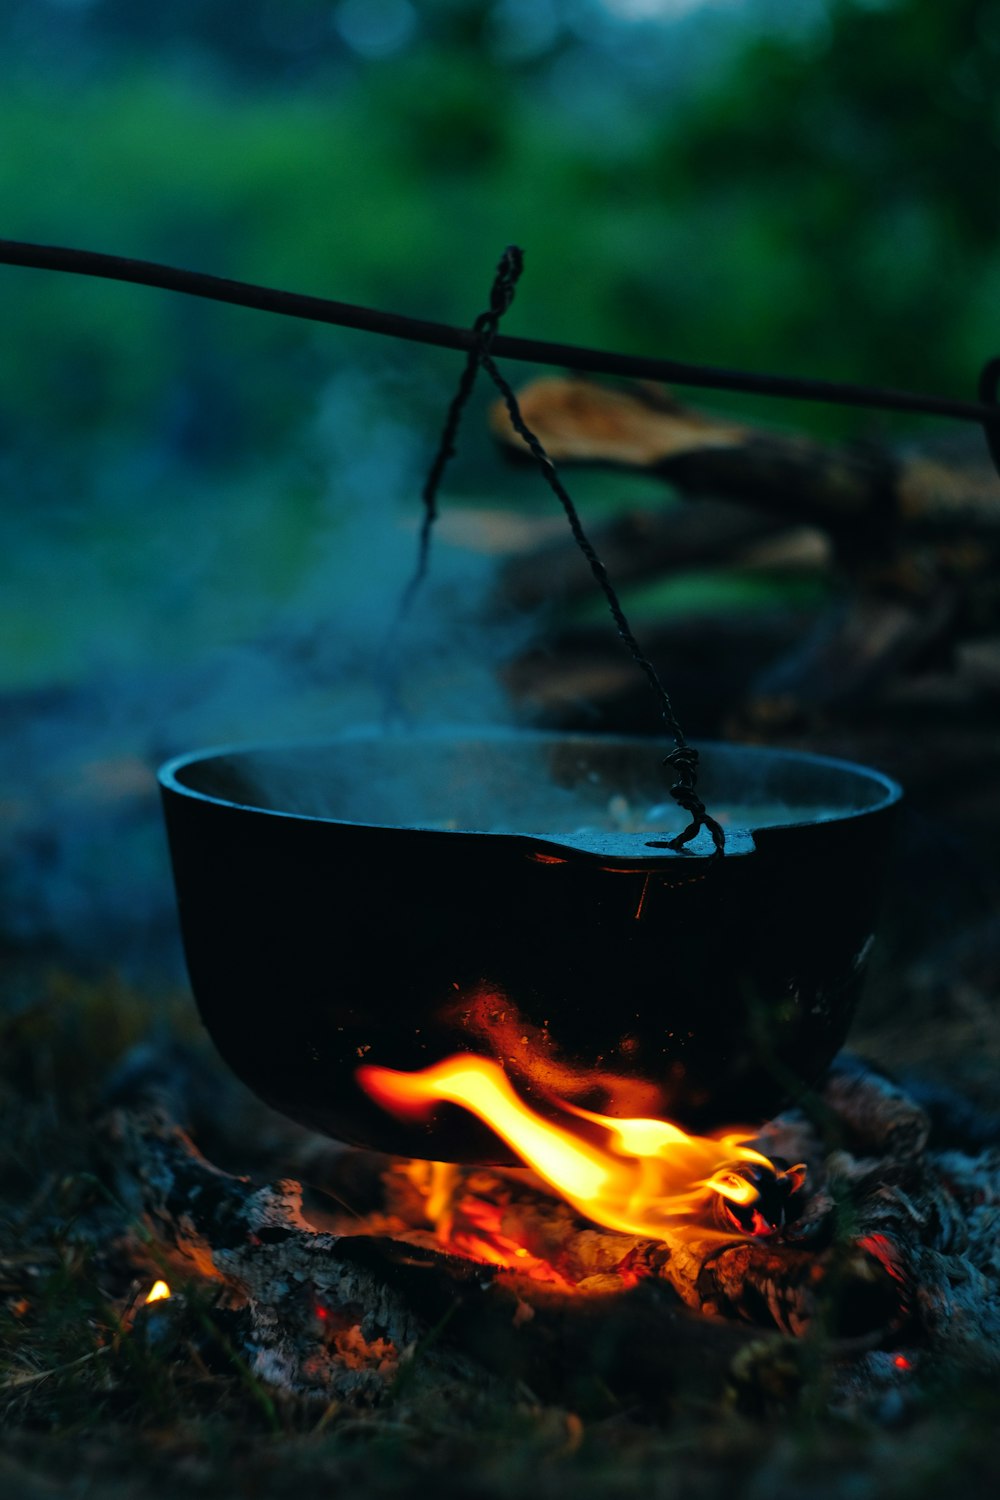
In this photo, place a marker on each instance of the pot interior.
(525, 782)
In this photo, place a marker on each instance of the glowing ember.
(473, 1226)
(475, 1229)
(638, 1176)
(158, 1292)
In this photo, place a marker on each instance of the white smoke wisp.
(187, 651)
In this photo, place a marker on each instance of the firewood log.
(913, 535)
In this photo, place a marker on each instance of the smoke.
(258, 611)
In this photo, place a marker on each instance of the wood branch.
(644, 543)
(875, 1113)
(854, 650)
(839, 488)
(774, 672)
(322, 1323)
(913, 535)
(581, 677)
(537, 351)
(595, 1349)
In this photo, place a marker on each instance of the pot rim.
(169, 773)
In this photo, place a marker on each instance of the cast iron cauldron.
(394, 899)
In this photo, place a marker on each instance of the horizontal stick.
(536, 351)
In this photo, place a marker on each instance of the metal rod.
(536, 351)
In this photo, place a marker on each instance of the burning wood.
(894, 1244)
(639, 1176)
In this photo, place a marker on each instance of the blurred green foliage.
(820, 198)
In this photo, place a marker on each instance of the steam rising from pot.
(176, 625)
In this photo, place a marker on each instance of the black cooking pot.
(395, 899)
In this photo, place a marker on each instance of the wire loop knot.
(501, 296)
(684, 761)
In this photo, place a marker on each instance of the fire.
(638, 1176)
(474, 1228)
(158, 1292)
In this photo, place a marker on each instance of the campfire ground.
(100, 1395)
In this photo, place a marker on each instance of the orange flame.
(158, 1292)
(638, 1176)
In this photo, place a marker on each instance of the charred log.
(344, 1315)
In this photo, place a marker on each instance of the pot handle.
(643, 849)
